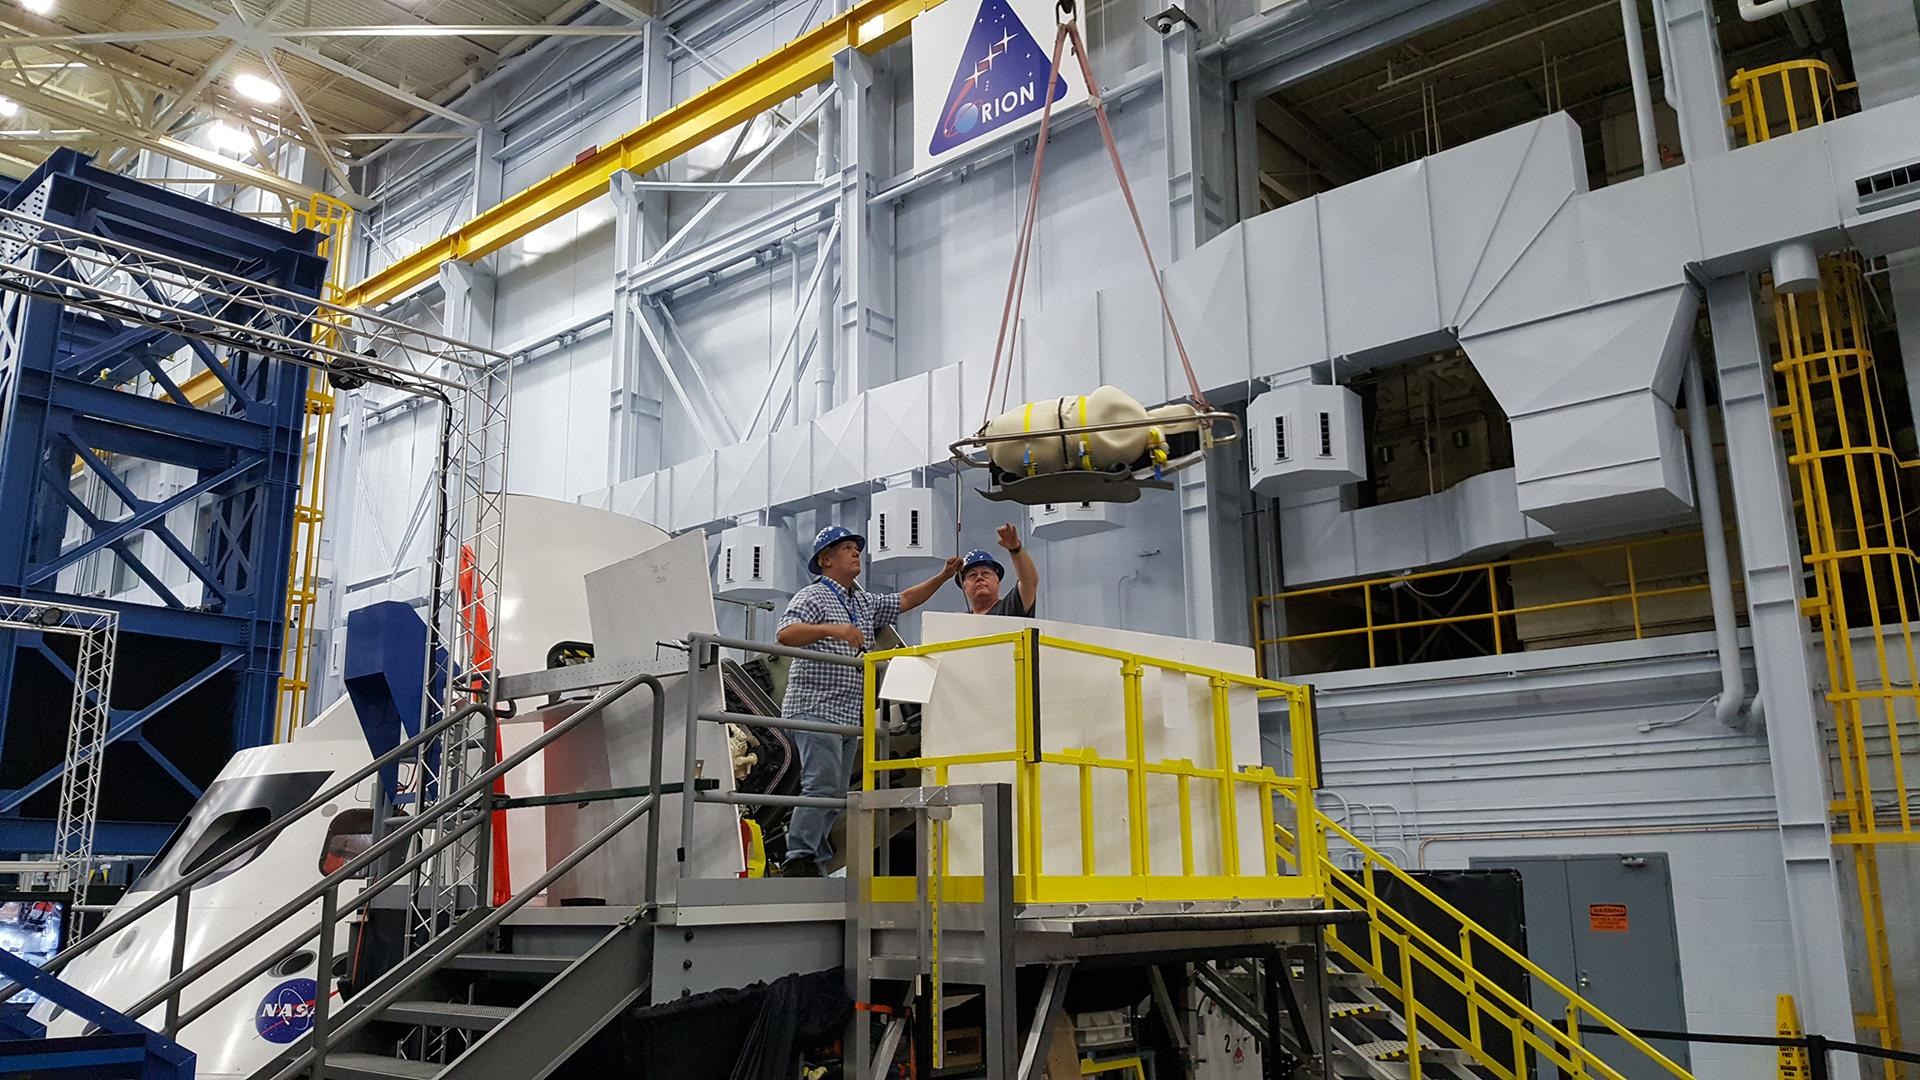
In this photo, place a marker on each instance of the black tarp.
(753, 1033)
(1492, 898)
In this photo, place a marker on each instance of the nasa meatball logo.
(1001, 78)
(286, 1013)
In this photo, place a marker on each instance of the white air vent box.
(906, 531)
(757, 562)
(1304, 437)
(1060, 521)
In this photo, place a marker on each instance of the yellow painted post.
(869, 710)
(1372, 653)
(1493, 606)
(1373, 910)
(1633, 594)
(1026, 879)
(1223, 762)
(1576, 1051)
(1086, 813)
(1184, 796)
(1409, 1009)
(1130, 673)
(1473, 986)
(1269, 788)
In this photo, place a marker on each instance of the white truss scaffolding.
(95, 633)
(44, 261)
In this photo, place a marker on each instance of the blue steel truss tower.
(120, 490)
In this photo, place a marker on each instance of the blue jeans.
(826, 765)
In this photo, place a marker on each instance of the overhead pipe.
(1756, 10)
(1642, 87)
(1731, 708)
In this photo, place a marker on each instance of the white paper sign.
(910, 678)
(980, 75)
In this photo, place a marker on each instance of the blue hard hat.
(828, 537)
(979, 557)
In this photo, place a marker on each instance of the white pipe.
(1642, 88)
(1667, 81)
(1731, 708)
(1753, 11)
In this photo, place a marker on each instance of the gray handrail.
(774, 649)
(406, 830)
(473, 933)
(266, 832)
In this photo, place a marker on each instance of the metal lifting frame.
(95, 634)
(204, 316)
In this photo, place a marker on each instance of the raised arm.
(914, 595)
(1023, 567)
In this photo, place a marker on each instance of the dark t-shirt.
(1010, 605)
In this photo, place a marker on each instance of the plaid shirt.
(833, 693)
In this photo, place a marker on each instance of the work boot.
(801, 867)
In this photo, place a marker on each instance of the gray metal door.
(1603, 925)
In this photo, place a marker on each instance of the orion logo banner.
(980, 72)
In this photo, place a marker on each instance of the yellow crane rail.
(805, 61)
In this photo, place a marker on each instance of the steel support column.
(1697, 83)
(1199, 159)
(864, 357)
(639, 228)
(1770, 553)
(1200, 180)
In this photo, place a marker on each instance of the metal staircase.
(1381, 1027)
(548, 981)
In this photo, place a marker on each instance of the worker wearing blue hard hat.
(833, 615)
(981, 576)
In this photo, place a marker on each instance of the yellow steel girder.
(805, 61)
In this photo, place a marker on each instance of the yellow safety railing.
(1207, 798)
(1396, 953)
(331, 218)
(1636, 583)
(1781, 99)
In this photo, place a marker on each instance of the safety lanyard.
(846, 602)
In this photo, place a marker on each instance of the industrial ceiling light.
(38, 7)
(228, 139)
(253, 86)
(8, 107)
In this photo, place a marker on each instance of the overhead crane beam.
(803, 62)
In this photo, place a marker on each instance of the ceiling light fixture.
(9, 107)
(258, 89)
(38, 7)
(228, 139)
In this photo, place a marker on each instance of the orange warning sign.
(1610, 918)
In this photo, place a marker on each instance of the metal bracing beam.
(806, 61)
(295, 33)
(73, 112)
(1796, 742)
(1309, 142)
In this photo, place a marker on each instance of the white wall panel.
(840, 447)
(791, 478)
(1376, 245)
(741, 478)
(693, 493)
(897, 426)
(1208, 293)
